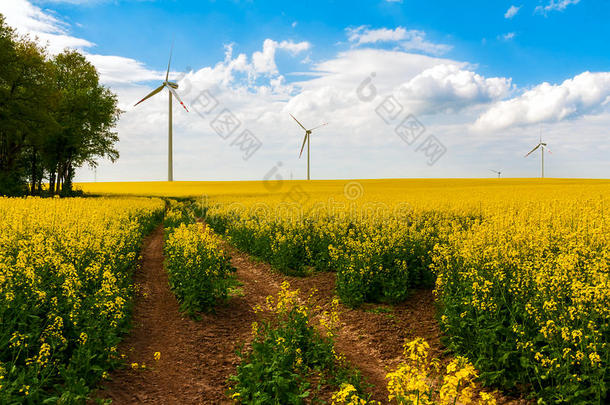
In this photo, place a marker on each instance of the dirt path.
(371, 341)
(197, 357)
(371, 337)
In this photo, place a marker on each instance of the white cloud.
(264, 61)
(363, 35)
(555, 5)
(512, 11)
(411, 40)
(451, 88)
(118, 69)
(585, 93)
(31, 20)
(432, 88)
(508, 36)
(294, 47)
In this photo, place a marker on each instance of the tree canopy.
(55, 116)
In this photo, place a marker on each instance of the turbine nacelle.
(171, 84)
(498, 172)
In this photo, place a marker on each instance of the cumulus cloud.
(508, 36)
(411, 40)
(264, 61)
(31, 20)
(580, 95)
(512, 11)
(555, 5)
(120, 70)
(450, 87)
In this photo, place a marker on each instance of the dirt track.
(197, 357)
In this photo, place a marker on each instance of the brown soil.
(197, 357)
(372, 336)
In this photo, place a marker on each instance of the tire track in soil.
(197, 357)
(372, 341)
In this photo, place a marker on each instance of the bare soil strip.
(197, 357)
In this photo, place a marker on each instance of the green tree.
(87, 113)
(26, 101)
(55, 116)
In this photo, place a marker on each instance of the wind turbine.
(497, 172)
(542, 146)
(171, 86)
(306, 139)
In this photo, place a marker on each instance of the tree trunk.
(58, 180)
(52, 177)
(68, 176)
(33, 179)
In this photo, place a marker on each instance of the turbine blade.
(530, 152)
(319, 126)
(152, 93)
(175, 93)
(170, 61)
(303, 146)
(301, 125)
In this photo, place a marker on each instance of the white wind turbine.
(542, 146)
(499, 173)
(171, 86)
(306, 139)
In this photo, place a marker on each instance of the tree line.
(55, 116)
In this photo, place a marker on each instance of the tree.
(86, 113)
(26, 100)
(54, 116)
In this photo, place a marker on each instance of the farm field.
(519, 268)
(65, 291)
(368, 291)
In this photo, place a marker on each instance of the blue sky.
(547, 47)
(484, 77)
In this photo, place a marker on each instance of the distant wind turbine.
(171, 86)
(306, 139)
(499, 173)
(542, 146)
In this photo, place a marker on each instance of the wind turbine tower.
(306, 139)
(171, 86)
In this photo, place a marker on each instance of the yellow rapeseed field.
(520, 267)
(65, 289)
